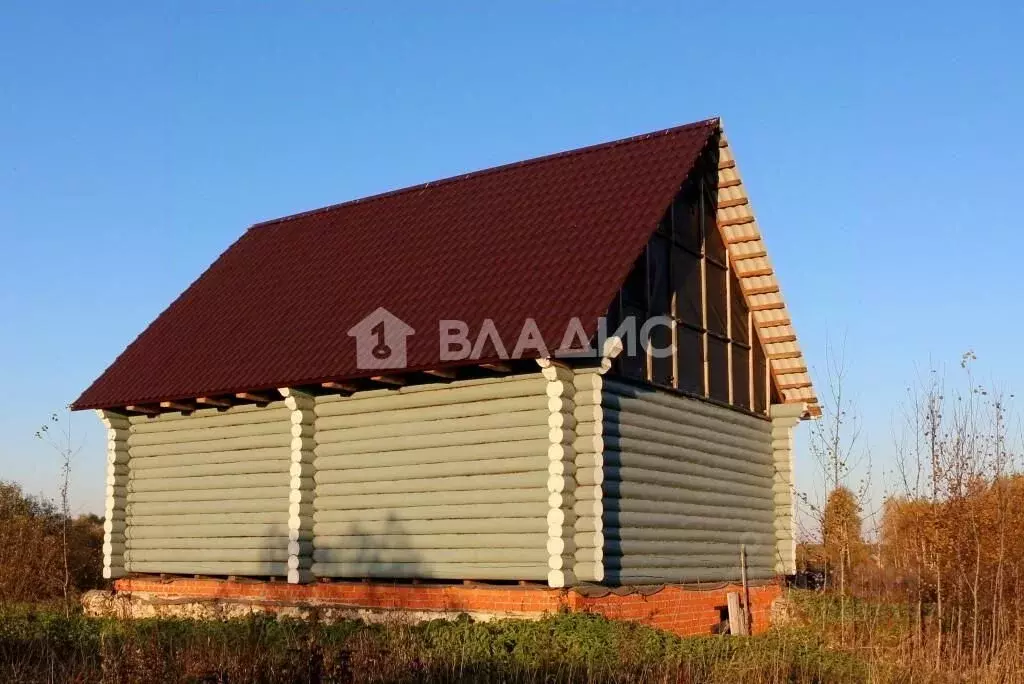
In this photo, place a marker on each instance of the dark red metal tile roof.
(549, 238)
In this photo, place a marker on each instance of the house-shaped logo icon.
(381, 340)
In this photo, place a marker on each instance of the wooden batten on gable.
(749, 259)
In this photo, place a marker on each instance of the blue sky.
(881, 145)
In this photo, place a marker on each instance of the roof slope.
(550, 238)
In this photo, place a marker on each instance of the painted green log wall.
(446, 481)
(686, 482)
(209, 492)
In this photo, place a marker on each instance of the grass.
(865, 641)
(48, 647)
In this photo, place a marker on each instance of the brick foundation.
(685, 611)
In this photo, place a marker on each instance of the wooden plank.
(728, 164)
(746, 256)
(340, 386)
(755, 272)
(395, 380)
(773, 323)
(770, 306)
(778, 340)
(258, 397)
(736, 621)
(497, 367)
(183, 406)
(444, 373)
(145, 410)
(793, 385)
(742, 238)
(766, 289)
(722, 185)
(219, 402)
(738, 221)
(784, 355)
(739, 202)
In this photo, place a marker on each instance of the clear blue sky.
(881, 144)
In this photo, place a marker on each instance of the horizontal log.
(536, 478)
(455, 571)
(278, 543)
(675, 494)
(646, 416)
(406, 541)
(210, 418)
(414, 501)
(588, 524)
(280, 492)
(739, 419)
(613, 505)
(238, 482)
(238, 456)
(437, 512)
(382, 529)
(276, 465)
(432, 441)
(206, 555)
(213, 530)
(589, 572)
(281, 438)
(682, 575)
(517, 556)
(473, 452)
(436, 395)
(632, 562)
(275, 518)
(415, 428)
(696, 452)
(613, 518)
(629, 547)
(390, 478)
(590, 476)
(203, 434)
(590, 554)
(733, 537)
(211, 507)
(677, 467)
(273, 569)
(432, 413)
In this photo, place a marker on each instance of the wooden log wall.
(588, 450)
(301, 485)
(784, 418)
(116, 493)
(686, 482)
(208, 493)
(561, 480)
(445, 481)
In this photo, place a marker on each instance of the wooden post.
(736, 621)
(747, 613)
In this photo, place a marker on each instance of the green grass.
(561, 648)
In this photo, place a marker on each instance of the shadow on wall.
(362, 549)
(659, 529)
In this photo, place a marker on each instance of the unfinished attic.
(338, 397)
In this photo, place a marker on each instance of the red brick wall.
(683, 611)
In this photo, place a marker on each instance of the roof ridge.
(492, 169)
